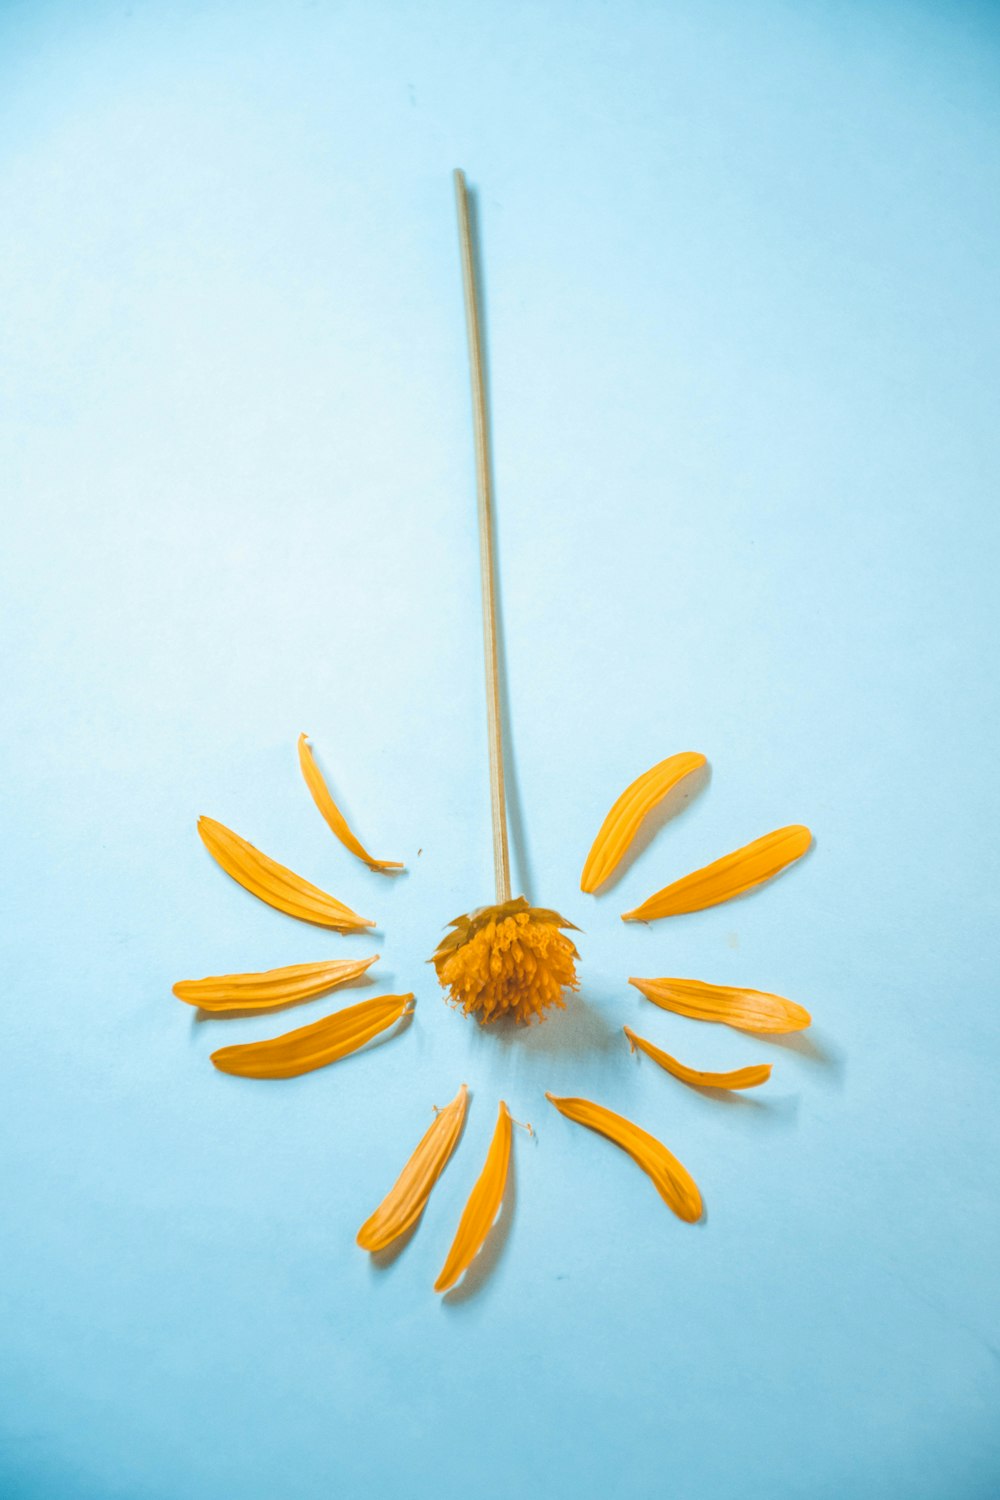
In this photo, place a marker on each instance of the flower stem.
(484, 492)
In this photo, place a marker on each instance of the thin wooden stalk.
(484, 492)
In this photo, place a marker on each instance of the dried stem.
(484, 491)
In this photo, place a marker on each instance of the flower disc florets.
(507, 960)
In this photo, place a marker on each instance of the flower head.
(507, 960)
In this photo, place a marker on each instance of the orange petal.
(622, 822)
(482, 1207)
(727, 877)
(748, 1010)
(405, 1202)
(272, 988)
(316, 1045)
(672, 1181)
(273, 883)
(331, 812)
(738, 1078)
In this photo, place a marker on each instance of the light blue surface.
(742, 313)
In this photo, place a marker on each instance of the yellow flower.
(507, 960)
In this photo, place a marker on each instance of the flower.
(507, 960)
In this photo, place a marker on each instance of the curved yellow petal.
(747, 1010)
(273, 987)
(331, 812)
(273, 883)
(405, 1202)
(737, 1078)
(672, 1181)
(313, 1046)
(482, 1207)
(622, 822)
(726, 877)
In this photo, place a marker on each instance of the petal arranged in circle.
(331, 812)
(672, 1181)
(737, 1078)
(271, 988)
(406, 1200)
(622, 823)
(482, 1207)
(273, 883)
(747, 1010)
(726, 877)
(316, 1045)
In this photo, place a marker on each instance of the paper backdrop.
(740, 295)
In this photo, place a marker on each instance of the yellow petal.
(273, 883)
(316, 1045)
(331, 812)
(272, 988)
(482, 1207)
(727, 877)
(622, 822)
(738, 1078)
(405, 1202)
(748, 1010)
(673, 1182)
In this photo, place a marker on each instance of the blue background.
(742, 312)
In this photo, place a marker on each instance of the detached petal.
(272, 988)
(331, 812)
(482, 1207)
(738, 1078)
(727, 877)
(747, 1010)
(672, 1181)
(313, 1046)
(273, 883)
(622, 822)
(406, 1200)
